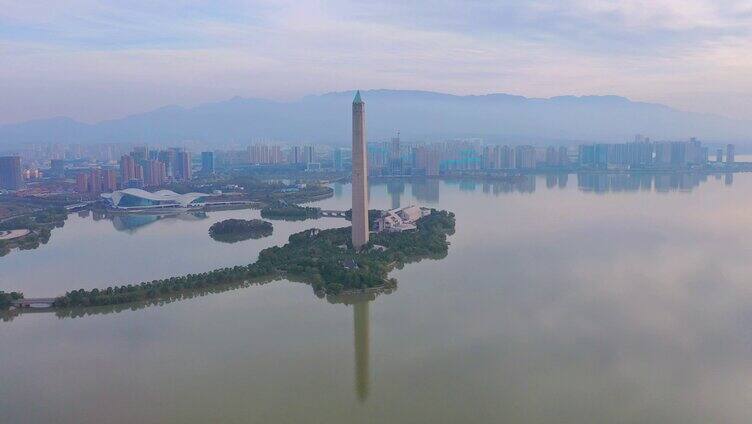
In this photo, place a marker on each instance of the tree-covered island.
(290, 212)
(323, 258)
(234, 230)
(39, 226)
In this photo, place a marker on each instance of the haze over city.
(98, 60)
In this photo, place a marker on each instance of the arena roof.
(161, 197)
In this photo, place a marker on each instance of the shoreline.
(274, 264)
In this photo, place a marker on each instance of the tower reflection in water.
(361, 326)
(360, 301)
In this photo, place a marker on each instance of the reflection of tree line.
(359, 300)
(163, 299)
(348, 298)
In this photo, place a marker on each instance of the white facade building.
(401, 219)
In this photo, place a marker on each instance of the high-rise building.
(427, 160)
(140, 153)
(275, 155)
(207, 162)
(337, 159)
(719, 155)
(730, 153)
(488, 157)
(563, 156)
(359, 174)
(57, 167)
(309, 154)
(695, 154)
(433, 162)
(184, 166)
(11, 176)
(586, 153)
(169, 158)
(82, 183)
(95, 181)
(679, 155)
(663, 153)
(525, 157)
(395, 156)
(601, 155)
(296, 155)
(552, 156)
(378, 157)
(138, 175)
(127, 169)
(155, 173)
(506, 157)
(109, 180)
(259, 153)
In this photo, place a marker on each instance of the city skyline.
(376, 211)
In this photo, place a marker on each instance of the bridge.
(78, 206)
(36, 303)
(333, 213)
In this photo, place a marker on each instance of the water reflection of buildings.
(556, 180)
(131, 222)
(662, 183)
(426, 190)
(522, 184)
(395, 189)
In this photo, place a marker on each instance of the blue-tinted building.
(207, 162)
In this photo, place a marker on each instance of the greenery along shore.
(323, 258)
(290, 212)
(233, 230)
(39, 224)
(7, 298)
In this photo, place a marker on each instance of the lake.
(563, 299)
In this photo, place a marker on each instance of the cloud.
(684, 53)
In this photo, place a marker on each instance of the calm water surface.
(590, 300)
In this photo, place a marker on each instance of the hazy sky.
(94, 60)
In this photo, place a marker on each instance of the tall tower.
(359, 174)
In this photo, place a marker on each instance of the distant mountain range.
(418, 115)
